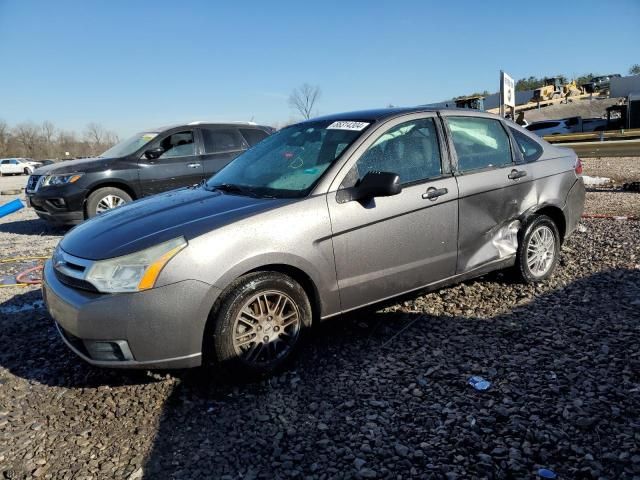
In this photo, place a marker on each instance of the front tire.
(259, 324)
(538, 250)
(104, 199)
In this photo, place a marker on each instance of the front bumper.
(158, 328)
(58, 205)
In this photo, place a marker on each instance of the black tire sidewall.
(99, 194)
(521, 261)
(221, 351)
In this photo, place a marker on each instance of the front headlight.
(134, 272)
(51, 180)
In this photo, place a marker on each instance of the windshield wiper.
(233, 188)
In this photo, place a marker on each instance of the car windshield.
(290, 162)
(130, 145)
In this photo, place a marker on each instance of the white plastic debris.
(595, 180)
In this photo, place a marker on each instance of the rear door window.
(530, 149)
(253, 135)
(479, 143)
(222, 140)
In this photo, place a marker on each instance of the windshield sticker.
(348, 125)
(147, 137)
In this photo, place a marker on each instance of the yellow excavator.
(554, 88)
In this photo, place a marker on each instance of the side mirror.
(154, 153)
(377, 184)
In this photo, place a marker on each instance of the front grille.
(75, 282)
(32, 183)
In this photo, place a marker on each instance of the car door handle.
(433, 193)
(516, 174)
(193, 165)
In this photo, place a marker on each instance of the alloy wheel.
(541, 251)
(266, 328)
(108, 202)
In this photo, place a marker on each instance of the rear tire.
(259, 323)
(538, 250)
(104, 199)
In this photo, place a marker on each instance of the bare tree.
(111, 138)
(94, 133)
(4, 137)
(635, 69)
(48, 131)
(68, 142)
(28, 137)
(303, 99)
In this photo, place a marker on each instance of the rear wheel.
(259, 323)
(105, 199)
(538, 250)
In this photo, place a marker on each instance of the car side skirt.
(461, 277)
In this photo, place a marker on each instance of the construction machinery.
(474, 102)
(554, 88)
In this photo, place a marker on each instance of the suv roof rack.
(199, 122)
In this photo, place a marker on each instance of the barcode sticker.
(348, 125)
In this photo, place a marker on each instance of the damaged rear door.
(495, 188)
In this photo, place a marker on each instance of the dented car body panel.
(447, 223)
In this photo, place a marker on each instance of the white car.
(18, 166)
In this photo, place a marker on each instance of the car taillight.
(578, 167)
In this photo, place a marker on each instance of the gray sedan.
(323, 217)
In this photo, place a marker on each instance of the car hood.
(74, 166)
(187, 212)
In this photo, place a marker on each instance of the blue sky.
(130, 65)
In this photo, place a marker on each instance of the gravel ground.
(372, 395)
(620, 169)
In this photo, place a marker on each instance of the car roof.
(205, 123)
(380, 114)
(373, 114)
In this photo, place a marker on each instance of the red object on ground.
(20, 278)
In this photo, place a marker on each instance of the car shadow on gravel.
(384, 394)
(31, 348)
(374, 394)
(33, 227)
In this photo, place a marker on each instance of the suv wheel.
(105, 199)
(539, 250)
(259, 323)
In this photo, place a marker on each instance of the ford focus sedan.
(323, 217)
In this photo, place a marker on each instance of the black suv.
(147, 163)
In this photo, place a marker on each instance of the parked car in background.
(567, 125)
(17, 166)
(600, 84)
(150, 162)
(47, 162)
(321, 218)
(551, 127)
